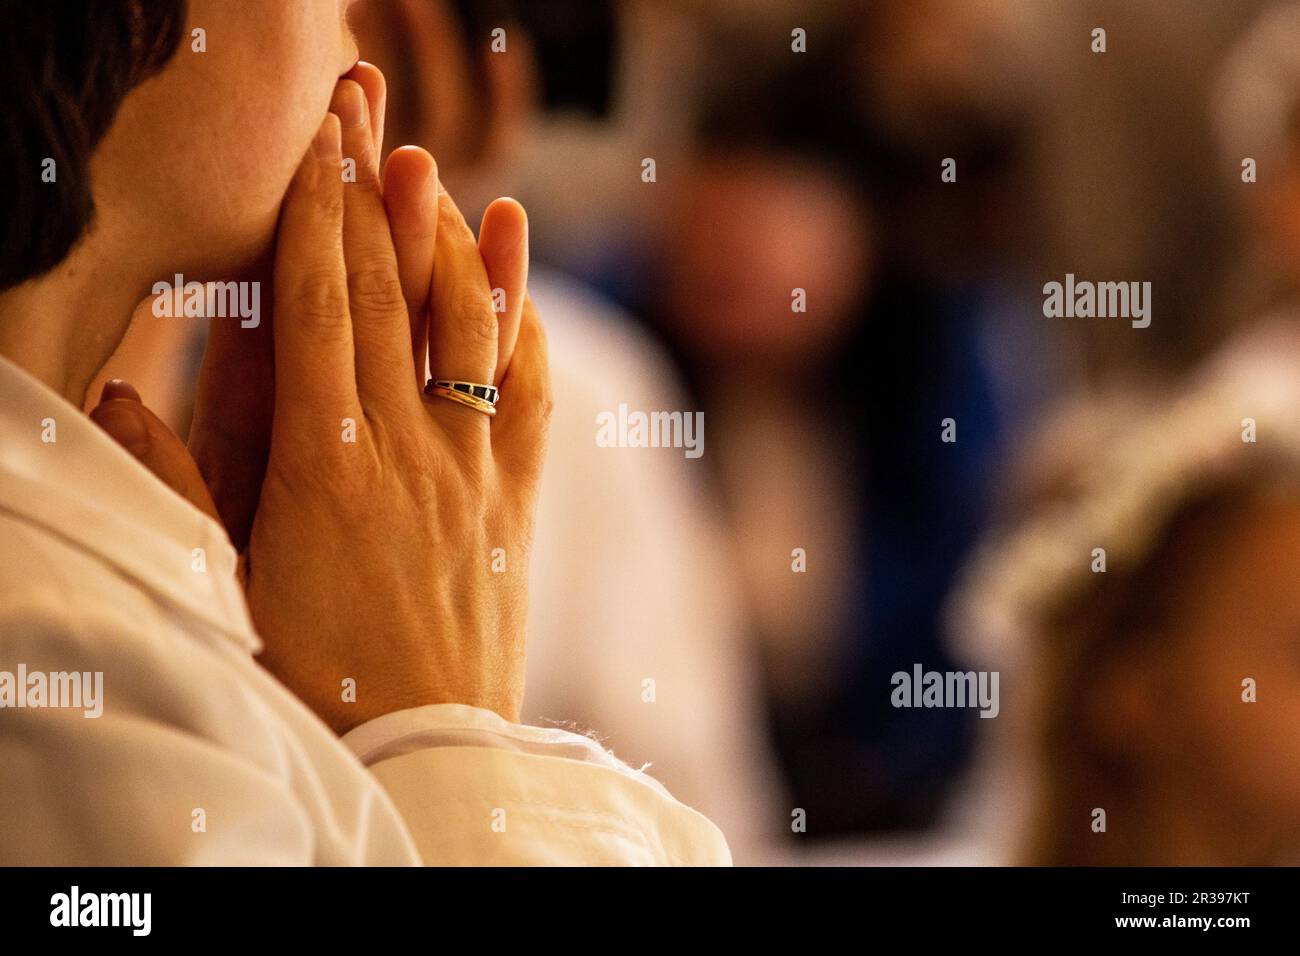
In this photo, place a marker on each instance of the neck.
(63, 326)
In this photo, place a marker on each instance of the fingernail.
(351, 105)
(116, 388)
(123, 421)
(327, 144)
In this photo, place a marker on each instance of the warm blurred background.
(800, 145)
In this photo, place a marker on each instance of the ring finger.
(463, 330)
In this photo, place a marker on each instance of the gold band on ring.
(443, 391)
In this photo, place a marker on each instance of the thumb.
(142, 433)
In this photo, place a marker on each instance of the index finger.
(411, 200)
(371, 81)
(314, 364)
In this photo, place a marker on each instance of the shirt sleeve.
(474, 788)
(170, 758)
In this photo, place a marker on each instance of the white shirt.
(202, 757)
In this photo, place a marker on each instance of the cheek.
(230, 124)
(279, 90)
(233, 173)
(259, 149)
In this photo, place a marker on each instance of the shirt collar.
(60, 471)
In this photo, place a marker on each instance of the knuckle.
(474, 317)
(543, 406)
(321, 299)
(426, 483)
(353, 487)
(363, 172)
(375, 287)
(329, 202)
(352, 473)
(460, 232)
(298, 477)
(532, 338)
(475, 461)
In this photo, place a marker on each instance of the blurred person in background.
(827, 421)
(1127, 182)
(1031, 611)
(1162, 692)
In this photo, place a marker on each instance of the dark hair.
(65, 67)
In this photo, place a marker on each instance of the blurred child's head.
(1147, 603)
(1144, 686)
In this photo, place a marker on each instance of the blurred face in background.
(744, 231)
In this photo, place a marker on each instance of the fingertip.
(503, 235)
(125, 422)
(409, 168)
(370, 78)
(375, 86)
(409, 192)
(147, 439)
(507, 211)
(117, 388)
(349, 104)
